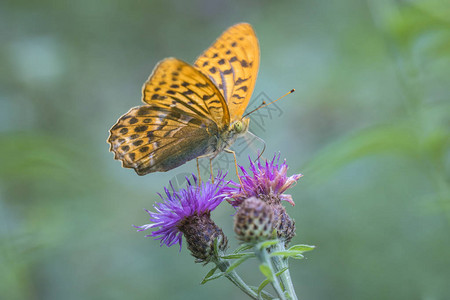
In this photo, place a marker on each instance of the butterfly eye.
(238, 127)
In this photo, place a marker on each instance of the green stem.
(279, 264)
(264, 257)
(235, 278)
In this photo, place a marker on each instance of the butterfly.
(190, 111)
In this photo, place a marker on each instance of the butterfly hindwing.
(151, 138)
(232, 64)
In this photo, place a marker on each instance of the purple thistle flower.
(192, 201)
(267, 179)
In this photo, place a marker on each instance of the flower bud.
(254, 220)
(284, 225)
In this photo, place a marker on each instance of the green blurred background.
(368, 127)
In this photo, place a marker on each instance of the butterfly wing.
(151, 138)
(175, 83)
(182, 120)
(232, 64)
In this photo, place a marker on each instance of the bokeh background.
(368, 127)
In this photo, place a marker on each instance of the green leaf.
(216, 247)
(243, 247)
(238, 255)
(261, 293)
(262, 286)
(210, 276)
(281, 271)
(267, 244)
(237, 263)
(302, 248)
(288, 253)
(265, 269)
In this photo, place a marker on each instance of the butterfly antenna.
(264, 104)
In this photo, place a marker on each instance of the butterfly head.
(240, 126)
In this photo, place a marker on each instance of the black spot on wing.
(144, 110)
(201, 85)
(240, 81)
(144, 149)
(158, 97)
(138, 142)
(140, 128)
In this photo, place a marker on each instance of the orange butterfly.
(190, 111)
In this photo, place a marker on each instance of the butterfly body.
(229, 136)
(190, 111)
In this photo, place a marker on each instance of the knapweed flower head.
(268, 179)
(187, 212)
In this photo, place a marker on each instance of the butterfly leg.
(235, 164)
(198, 171)
(211, 169)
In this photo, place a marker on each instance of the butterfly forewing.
(174, 83)
(232, 64)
